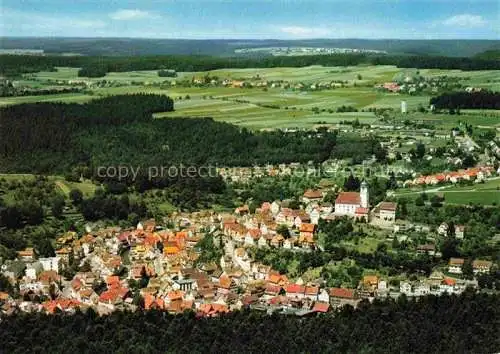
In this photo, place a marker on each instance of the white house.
(311, 292)
(314, 215)
(263, 241)
(324, 296)
(442, 229)
(421, 289)
(51, 263)
(459, 231)
(388, 211)
(32, 270)
(405, 288)
(275, 207)
(479, 266)
(455, 265)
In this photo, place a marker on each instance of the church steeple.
(364, 195)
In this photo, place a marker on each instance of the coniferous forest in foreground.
(447, 324)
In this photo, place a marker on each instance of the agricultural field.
(487, 193)
(250, 107)
(488, 79)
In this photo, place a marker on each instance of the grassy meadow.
(487, 193)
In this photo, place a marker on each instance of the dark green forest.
(226, 47)
(120, 130)
(483, 99)
(446, 324)
(14, 65)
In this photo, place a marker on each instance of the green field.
(86, 187)
(487, 193)
(294, 108)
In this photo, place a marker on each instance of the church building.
(353, 204)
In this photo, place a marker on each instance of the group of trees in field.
(7, 89)
(29, 201)
(465, 323)
(167, 73)
(483, 99)
(13, 65)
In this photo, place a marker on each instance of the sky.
(252, 19)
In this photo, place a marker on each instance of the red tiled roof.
(51, 305)
(361, 211)
(279, 300)
(124, 236)
(287, 212)
(321, 307)
(342, 293)
(48, 276)
(175, 295)
(113, 281)
(449, 281)
(148, 301)
(274, 278)
(249, 299)
(224, 282)
(254, 233)
(113, 294)
(76, 284)
(312, 290)
(212, 309)
(307, 227)
(272, 289)
(348, 198)
(295, 289)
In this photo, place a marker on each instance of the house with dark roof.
(387, 211)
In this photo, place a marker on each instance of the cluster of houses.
(456, 265)
(163, 261)
(471, 174)
(412, 84)
(259, 83)
(153, 267)
(112, 262)
(150, 266)
(435, 284)
(245, 174)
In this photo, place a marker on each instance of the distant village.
(291, 51)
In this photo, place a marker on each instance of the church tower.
(363, 193)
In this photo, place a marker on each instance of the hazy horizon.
(258, 39)
(252, 19)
